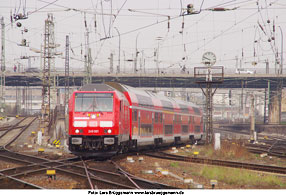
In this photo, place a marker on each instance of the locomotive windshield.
(93, 102)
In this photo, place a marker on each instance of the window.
(134, 115)
(145, 129)
(185, 128)
(93, 102)
(197, 129)
(168, 129)
(156, 117)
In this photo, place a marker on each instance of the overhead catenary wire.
(168, 37)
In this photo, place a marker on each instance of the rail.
(217, 162)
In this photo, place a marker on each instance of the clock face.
(209, 58)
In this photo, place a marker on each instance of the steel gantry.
(46, 81)
(67, 72)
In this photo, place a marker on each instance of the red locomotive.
(111, 117)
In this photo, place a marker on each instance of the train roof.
(146, 98)
(139, 97)
(96, 87)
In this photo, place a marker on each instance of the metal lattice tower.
(87, 57)
(87, 62)
(3, 67)
(48, 45)
(67, 82)
(208, 76)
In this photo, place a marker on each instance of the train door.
(168, 124)
(121, 117)
(126, 118)
(134, 123)
(191, 124)
(197, 125)
(177, 124)
(158, 124)
(145, 123)
(185, 125)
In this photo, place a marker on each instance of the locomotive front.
(92, 122)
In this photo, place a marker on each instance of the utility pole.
(242, 106)
(157, 60)
(135, 61)
(281, 79)
(3, 68)
(111, 63)
(265, 105)
(67, 82)
(87, 57)
(136, 55)
(119, 39)
(46, 104)
(267, 66)
(252, 120)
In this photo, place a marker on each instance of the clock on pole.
(209, 58)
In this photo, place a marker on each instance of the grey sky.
(226, 33)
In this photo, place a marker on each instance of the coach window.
(156, 117)
(134, 114)
(197, 129)
(160, 117)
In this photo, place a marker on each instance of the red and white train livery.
(113, 117)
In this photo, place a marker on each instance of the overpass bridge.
(148, 80)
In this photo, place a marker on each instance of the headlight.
(76, 131)
(109, 131)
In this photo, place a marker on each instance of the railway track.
(110, 176)
(11, 134)
(233, 164)
(271, 145)
(31, 169)
(89, 177)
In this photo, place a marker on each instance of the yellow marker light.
(17, 116)
(51, 172)
(188, 146)
(196, 153)
(57, 146)
(41, 150)
(33, 132)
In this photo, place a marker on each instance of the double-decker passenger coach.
(113, 117)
